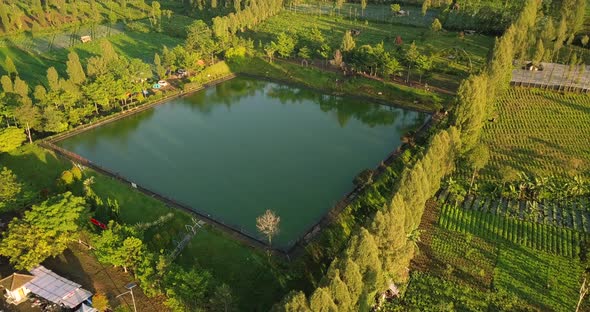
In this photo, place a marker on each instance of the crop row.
(552, 239)
(574, 214)
(539, 132)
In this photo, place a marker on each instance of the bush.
(138, 27)
(11, 138)
(66, 178)
(76, 173)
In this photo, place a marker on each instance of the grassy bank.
(336, 83)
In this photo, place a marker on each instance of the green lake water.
(234, 150)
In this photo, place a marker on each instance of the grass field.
(333, 28)
(539, 133)
(32, 66)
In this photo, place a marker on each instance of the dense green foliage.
(383, 252)
(56, 91)
(44, 231)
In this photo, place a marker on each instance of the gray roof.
(56, 289)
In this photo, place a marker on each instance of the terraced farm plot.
(540, 133)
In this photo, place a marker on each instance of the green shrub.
(138, 27)
(76, 173)
(66, 178)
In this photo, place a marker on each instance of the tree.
(295, 301)
(29, 116)
(391, 66)
(478, 157)
(412, 55)
(268, 224)
(188, 288)
(74, 69)
(347, 42)
(160, 70)
(472, 108)
(363, 7)
(222, 299)
(44, 231)
(53, 120)
(200, 38)
(270, 49)
(118, 246)
(424, 63)
(11, 138)
(100, 302)
(52, 79)
(21, 88)
(305, 54)
(285, 44)
(9, 187)
(395, 8)
(7, 85)
(9, 66)
(321, 301)
(339, 291)
(436, 26)
(425, 5)
(539, 52)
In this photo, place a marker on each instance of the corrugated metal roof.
(56, 289)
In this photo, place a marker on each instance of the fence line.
(231, 229)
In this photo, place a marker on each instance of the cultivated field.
(478, 258)
(540, 133)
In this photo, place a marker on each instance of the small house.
(14, 288)
(85, 39)
(47, 285)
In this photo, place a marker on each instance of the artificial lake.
(246, 145)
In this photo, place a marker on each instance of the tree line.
(375, 263)
(35, 15)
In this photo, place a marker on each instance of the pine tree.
(539, 52)
(108, 52)
(160, 70)
(351, 276)
(7, 85)
(53, 79)
(20, 87)
(425, 5)
(321, 301)
(339, 292)
(4, 17)
(295, 301)
(436, 26)
(471, 109)
(347, 42)
(363, 7)
(9, 66)
(74, 69)
(364, 251)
